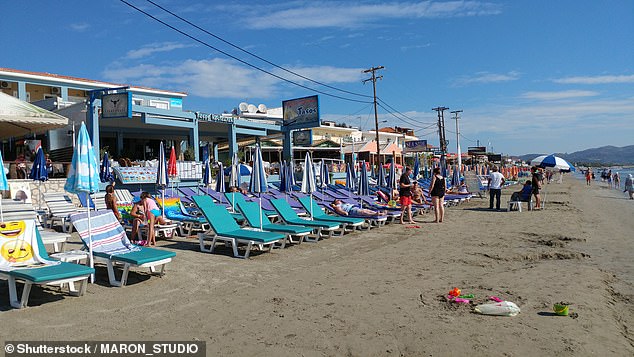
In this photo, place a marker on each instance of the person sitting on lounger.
(111, 201)
(417, 194)
(346, 209)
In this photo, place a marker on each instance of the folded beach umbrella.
(309, 182)
(282, 176)
(392, 180)
(291, 170)
(364, 187)
(172, 170)
(104, 171)
(324, 175)
(416, 168)
(83, 176)
(380, 181)
(162, 178)
(455, 177)
(4, 184)
(258, 177)
(39, 172)
(220, 177)
(350, 178)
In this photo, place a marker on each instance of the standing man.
(405, 194)
(496, 181)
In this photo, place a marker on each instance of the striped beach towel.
(108, 236)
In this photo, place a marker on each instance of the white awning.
(19, 118)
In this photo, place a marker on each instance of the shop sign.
(301, 113)
(118, 105)
(215, 118)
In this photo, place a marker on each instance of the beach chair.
(226, 229)
(161, 230)
(251, 212)
(60, 207)
(97, 201)
(25, 260)
(236, 197)
(515, 202)
(123, 195)
(21, 211)
(349, 224)
(289, 216)
(189, 224)
(111, 246)
(219, 197)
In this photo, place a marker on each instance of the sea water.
(623, 172)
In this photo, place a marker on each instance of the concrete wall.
(52, 185)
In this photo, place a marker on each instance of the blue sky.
(530, 76)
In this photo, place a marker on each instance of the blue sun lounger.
(253, 215)
(48, 272)
(289, 216)
(226, 229)
(110, 245)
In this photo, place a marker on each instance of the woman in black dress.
(437, 193)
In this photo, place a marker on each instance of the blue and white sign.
(416, 145)
(176, 102)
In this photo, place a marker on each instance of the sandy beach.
(381, 293)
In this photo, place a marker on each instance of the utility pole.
(455, 113)
(441, 134)
(376, 116)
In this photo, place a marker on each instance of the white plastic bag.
(504, 308)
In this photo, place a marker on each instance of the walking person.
(629, 186)
(617, 180)
(405, 195)
(496, 181)
(588, 176)
(437, 191)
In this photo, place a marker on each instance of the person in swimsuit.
(437, 192)
(346, 209)
(111, 201)
(536, 183)
(152, 216)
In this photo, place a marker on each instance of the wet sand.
(380, 293)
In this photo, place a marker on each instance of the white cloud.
(567, 94)
(596, 79)
(152, 48)
(220, 78)
(350, 15)
(486, 77)
(79, 27)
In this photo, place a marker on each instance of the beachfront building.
(157, 115)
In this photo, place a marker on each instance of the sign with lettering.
(477, 150)
(118, 105)
(416, 145)
(216, 118)
(301, 113)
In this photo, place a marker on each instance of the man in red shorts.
(405, 194)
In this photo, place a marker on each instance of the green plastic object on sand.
(468, 296)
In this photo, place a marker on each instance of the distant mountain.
(605, 155)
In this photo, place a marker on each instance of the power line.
(254, 55)
(403, 115)
(414, 126)
(240, 60)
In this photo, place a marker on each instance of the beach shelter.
(104, 171)
(309, 184)
(19, 118)
(4, 184)
(162, 179)
(552, 162)
(172, 170)
(258, 177)
(39, 172)
(364, 186)
(83, 176)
